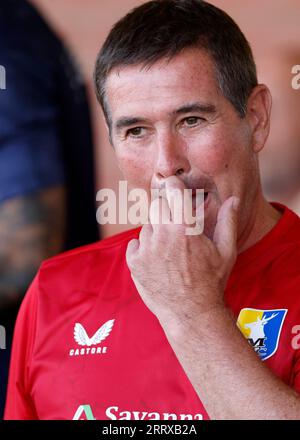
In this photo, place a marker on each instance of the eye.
(191, 121)
(135, 132)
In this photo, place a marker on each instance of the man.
(46, 158)
(154, 311)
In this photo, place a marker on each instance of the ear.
(258, 114)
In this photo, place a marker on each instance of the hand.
(179, 275)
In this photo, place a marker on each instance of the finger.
(180, 201)
(159, 214)
(145, 233)
(131, 251)
(225, 236)
(175, 197)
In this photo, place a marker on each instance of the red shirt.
(86, 346)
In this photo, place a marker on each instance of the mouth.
(197, 199)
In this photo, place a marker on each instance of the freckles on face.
(153, 100)
(135, 168)
(216, 152)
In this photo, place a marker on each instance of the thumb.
(225, 235)
(131, 251)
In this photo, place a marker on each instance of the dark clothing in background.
(45, 130)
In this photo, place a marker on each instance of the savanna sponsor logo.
(85, 412)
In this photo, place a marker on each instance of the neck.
(264, 217)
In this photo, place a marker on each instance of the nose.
(172, 159)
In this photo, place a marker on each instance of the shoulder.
(72, 278)
(89, 258)
(110, 243)
(285, 261)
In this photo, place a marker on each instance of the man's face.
(171, 119)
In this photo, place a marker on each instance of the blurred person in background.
(280, 159)
(46, 158)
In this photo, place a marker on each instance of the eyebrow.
(127, 122)
(196, 107)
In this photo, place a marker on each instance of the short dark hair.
(163, 28)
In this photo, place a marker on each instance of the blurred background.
(54, 149)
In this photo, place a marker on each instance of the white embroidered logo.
(82, 338)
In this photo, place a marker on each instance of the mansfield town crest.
(262, 328)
